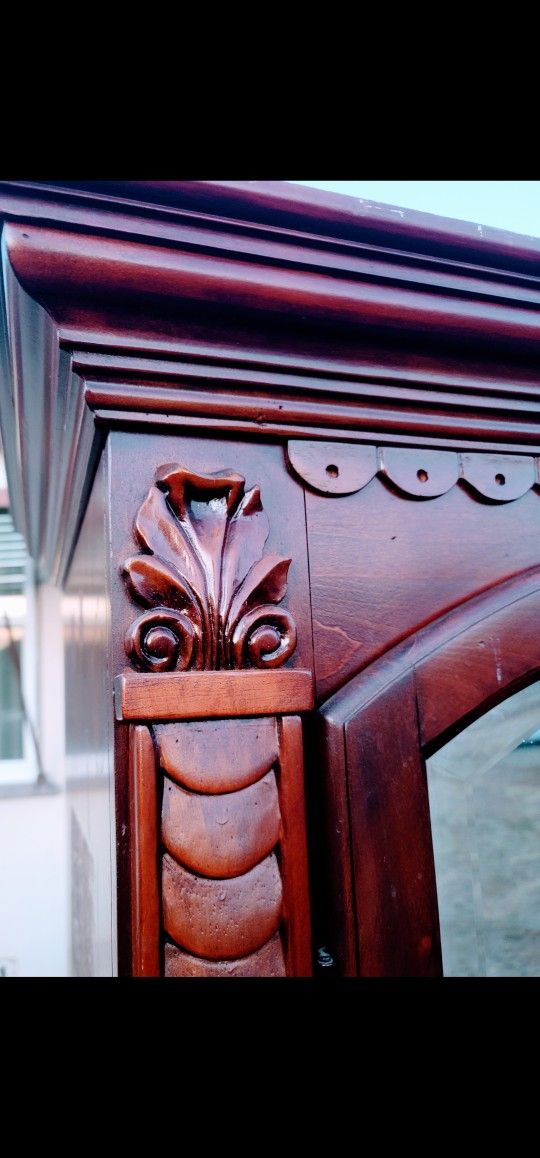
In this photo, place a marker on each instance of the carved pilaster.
(218, 843)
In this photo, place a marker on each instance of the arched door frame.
(374, 736)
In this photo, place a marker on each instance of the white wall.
(34, 916)
(33, 902)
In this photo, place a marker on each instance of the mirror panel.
(484, 795)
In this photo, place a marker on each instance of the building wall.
(33, 829)
(57, 857)
(33, 896)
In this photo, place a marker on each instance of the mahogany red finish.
(282, 452)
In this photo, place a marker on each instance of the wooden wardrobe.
(281, 451)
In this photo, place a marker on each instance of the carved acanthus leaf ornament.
(210, 592)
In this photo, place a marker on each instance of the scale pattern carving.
(222, 890)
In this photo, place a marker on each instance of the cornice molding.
(310, 288)
(254, 309)
(285, 206)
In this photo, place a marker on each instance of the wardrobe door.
(432, 798)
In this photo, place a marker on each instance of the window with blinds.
(15, 751)
(12, 556)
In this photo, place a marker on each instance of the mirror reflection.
(484, 794)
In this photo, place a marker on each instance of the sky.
(511, 205)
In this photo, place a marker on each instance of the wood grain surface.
(293, 848)
(382, 566)
(200, 695)
(145, 903)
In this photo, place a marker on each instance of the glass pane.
(11, 712)
(484, 795)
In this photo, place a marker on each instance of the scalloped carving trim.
(342, 468)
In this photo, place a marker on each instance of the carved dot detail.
(265, 640)
(332, 470)
(422, 475)
(500, 479)
(159, 641)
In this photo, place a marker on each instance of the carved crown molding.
(210, 305)
(211, 593)
(341, 468)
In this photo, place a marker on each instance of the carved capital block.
(211, 596)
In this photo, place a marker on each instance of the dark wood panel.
(430, 640)
(332, 874)
(478, 666)
(294, 867)
(396, 896)
(383, 565)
